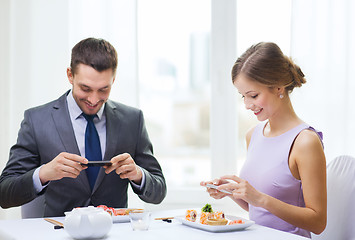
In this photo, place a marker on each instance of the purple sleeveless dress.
(267, 170)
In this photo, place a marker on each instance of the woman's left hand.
(241, 189)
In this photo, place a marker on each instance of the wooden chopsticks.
(165, 219)
(57, 225)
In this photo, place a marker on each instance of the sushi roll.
(204, 217)
(219, 215)
(191, 215)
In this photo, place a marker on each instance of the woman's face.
(260, 99)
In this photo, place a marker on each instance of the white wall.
(33, 63)
(5, 84)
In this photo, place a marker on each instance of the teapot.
(87, 223)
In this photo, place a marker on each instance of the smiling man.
(58, 140)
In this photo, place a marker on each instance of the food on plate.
(204, 217)
(209, 217)
(191, 215)
(118, 211)
(217, 222)
(239, 221)
(207, 208)
(216, 215)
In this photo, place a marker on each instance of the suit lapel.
(112, 128)
(60, 115)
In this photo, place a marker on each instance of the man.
(57, 139)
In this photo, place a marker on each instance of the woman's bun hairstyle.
(265, 63)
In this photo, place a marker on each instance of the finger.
(119, 161)
(229, 187)
(126, 170)
(204, 183)
(74, 165)
(232, 177)
(75, 158)
(74, 171)
(120, 158)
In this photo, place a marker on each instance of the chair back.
(340, 200)
(33, 209)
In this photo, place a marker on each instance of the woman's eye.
(254, 96)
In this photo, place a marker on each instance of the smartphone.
(216, 187)
(97, 163)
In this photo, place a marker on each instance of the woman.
(283, 182)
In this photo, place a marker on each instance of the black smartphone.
(97, 163)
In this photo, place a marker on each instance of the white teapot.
(87, 223)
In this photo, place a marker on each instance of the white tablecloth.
(38, 229)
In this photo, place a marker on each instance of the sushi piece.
(204, 217)
(217, 222)
(191, 215)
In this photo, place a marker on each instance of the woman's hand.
(241, 189)
(214, 192)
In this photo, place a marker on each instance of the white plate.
(222, 228)
(120, 218)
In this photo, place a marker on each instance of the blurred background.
(174, 62)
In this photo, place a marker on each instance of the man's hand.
(125, 166)
(63, 165)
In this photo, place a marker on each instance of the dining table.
(38, 229)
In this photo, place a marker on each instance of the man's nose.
(94, 98)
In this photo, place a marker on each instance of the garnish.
(207, 208)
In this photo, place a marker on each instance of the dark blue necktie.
(92, 148)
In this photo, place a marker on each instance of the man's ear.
(70, 75)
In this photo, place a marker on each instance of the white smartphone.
(216, 187)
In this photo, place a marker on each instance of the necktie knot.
(88, 117)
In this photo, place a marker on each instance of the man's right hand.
(63, 165)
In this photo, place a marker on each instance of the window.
(175, 88)
(174, 85)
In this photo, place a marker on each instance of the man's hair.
(96, 53)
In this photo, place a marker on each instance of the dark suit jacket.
(47, 131)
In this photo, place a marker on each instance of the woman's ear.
(281, 92)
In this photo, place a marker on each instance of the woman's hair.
(266, 64)
(96, 53)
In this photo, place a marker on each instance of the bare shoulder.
(308, 138)
(308, 146)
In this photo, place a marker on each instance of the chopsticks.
(165, 219)
(57, 225)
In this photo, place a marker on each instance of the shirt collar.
(75, 109)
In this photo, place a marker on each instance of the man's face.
(91, 88)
